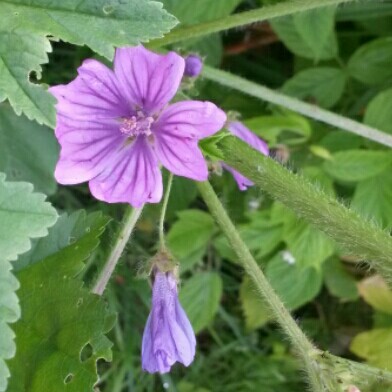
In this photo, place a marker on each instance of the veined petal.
(191, 119)
(132, 177)
(148, 80)
(94, 94)
(181, 156)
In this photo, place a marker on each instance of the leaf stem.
(163, 212)
(131, 216)
(241, 19)
(355, 234)
(302, 345)
(255, 90)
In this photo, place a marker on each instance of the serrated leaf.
(357, 165)
(315, 27)
(200, 297)
(50, 355)
(20, 55)
(28, 151)
(74, 236)
(99, 24)
(371, 63)
(287, 31)
(23, 215)
(379, 111)
(323, 85)
(295, 284)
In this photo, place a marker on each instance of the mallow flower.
(241, 131)
(168, 336)
(115, 127)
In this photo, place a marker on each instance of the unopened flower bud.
(193, 65)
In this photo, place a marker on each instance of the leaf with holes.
(99, 24)
(20, 55)
(23, 215)
(50, 355)
(200, 298)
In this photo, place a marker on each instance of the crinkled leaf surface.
(20, 54)
(23, 215)
(50, 355)
(73, 237)
(99, 24)
(28, 151)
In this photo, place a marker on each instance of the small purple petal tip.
(168, 336)
(193, 65)
(241, 131)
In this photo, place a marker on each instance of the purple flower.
(115, 128)
(193, 65)
(168, 336)
(240, 130)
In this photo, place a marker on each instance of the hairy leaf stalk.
(356, 235)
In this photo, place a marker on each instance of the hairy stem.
(163, 212)
(241, 19)
(300, 342)
(255, 90)
(355, 234)
(131, 216)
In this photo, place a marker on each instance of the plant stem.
(131, 216)
(163, 212)
(255, 90)
(355, 234)
(241, 19)
(302, 345)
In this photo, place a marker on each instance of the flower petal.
(148, 359)
(148, 80)
(191, 119)
(181, 156)
(133, 177)
(94, 94)
(242, 182)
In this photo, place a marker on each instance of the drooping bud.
(193, 65)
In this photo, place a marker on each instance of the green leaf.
(290, 129)
(255, 310)
(338, 281)
(287, 30)
(190, 234)
(357, 165)
(315, 28)
(309, 246)
(23, 215)
(375, 346)
(295, 284)
(200, 298)
(74, 236)
(376, 293)
(372, 199)
(371, 63)
(379, 111)
(20, 55)
(50, 355)
(323, 85)
(99, 24)
(28, 151)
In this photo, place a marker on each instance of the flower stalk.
(130, 219)
(162, 243)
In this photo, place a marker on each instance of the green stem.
(302, 345)
(308, 110)
(241, 19)
(131, 216)
(163, 212)
(356, 235)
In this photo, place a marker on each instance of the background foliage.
(338, 58)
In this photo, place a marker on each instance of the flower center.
(137, 125)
